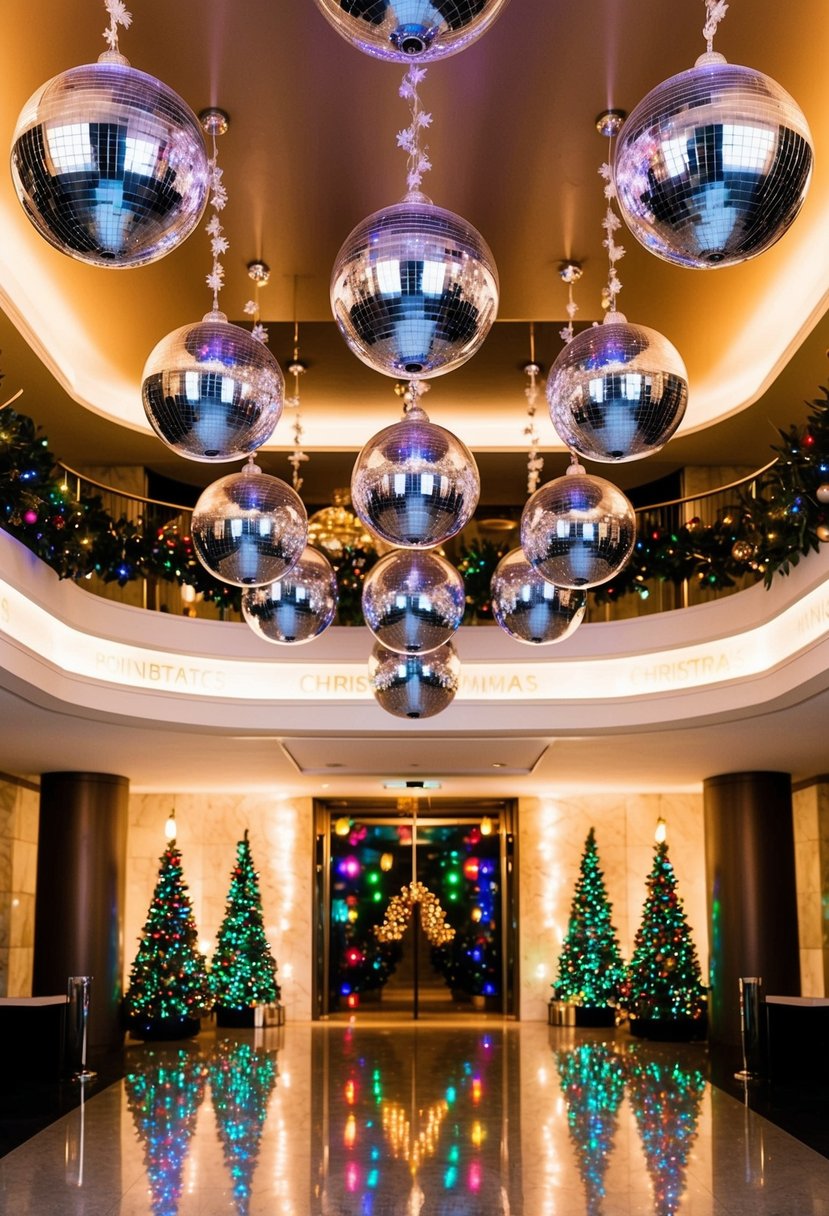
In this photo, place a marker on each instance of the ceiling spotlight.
(609, 122)
(570, 272)
(260, 272)
(214, 121)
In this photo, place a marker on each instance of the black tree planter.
(160, 1029)
(669, 1030)
(595, 1016)
(237, 1019)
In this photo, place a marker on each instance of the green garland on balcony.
(761, 535)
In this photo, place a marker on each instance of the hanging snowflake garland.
(118, 15)
(715, 12)
(409, 138)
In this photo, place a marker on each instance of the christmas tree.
(666, 1098)
(241, 1082)
(164, 1096)
(168, 990)
(593, 1084)
(243, 973)
(590, 967)
(663, 981)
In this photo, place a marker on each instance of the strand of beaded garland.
(611, 224)
(715, 11)
(118, 15)
(409, 138)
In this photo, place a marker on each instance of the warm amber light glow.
(661, 833)
(486, 826)
(170, 827)
(386, 862)
(342, 826)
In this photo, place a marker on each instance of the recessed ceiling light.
(413, 784)
(498, 764)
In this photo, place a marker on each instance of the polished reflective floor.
(457, 1119)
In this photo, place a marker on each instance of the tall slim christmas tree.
(590, 967)
(243, 972)
(663, 990)
(168, 989)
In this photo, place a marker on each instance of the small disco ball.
(415, 484)
(401, 30)
(529, 608)
(249, 529)
(413, 601)
(617, 391)
(212, 391)
(414, 290)
(578, 530)
(298, 607)
(713, 165)
(110, 164)
(414, 685)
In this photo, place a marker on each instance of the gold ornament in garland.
(399, 913)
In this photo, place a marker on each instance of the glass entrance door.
(393, 883)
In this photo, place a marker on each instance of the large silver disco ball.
(297, 608)
(212, 391)
(413, 601)
(414, 685)
(411, 29)
(249, 528)
(617, 391)
(578, 530)
(414, 290)
(415, 484)
(713, 165)
(110, 164)
(530, 609)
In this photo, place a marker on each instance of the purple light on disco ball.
(530, 609)
(414, 685)
(415, 484)
(109, 164)
(579, 530)
(298, 607)
(413, 601)
(712, 166)
(414, 289)
(402, 30)
(248, 528)
(617, 391)
(211, 391)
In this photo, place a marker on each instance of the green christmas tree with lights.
(590, 967)
(169, 989)
(242, 1079)
(592, 1084)
(663, 982)
(243, 972)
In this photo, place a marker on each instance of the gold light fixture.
(661, 833)
(170, 827)
(486, 826)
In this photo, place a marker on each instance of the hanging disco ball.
(110, 164)
(578, 530)
(248, 528)
(413, 601)
(212, 391)
(414, 289)
(713, 165)
(411, 29)
(415, 484)
(414, 685)
(529, 608)
(297, 608)
(617, 391)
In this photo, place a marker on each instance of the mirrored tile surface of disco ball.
(414, 685)
(415, 484)
(530, 609)
(413, 601)
(713, 165)
(578, 530)
(402, 30)
(212, 391)
(414, 290)
(110, 164)
(297, 608)
(617, 391)
(249, 528)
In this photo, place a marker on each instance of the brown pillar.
(81, 880)
(752, 899)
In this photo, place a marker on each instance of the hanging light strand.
(715, 11)
(569, 273)
(260, 273)
(409, 139)
(296, 368)
(611, 224)
(218, 201)
(535, 461)
(118, 15)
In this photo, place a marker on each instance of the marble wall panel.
(810, 810)
(19, 809)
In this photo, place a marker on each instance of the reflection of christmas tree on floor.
(243, 971)
(666, 1098)
(241, 1082)
(592, 1081)
(590, 967)
(164, 1096)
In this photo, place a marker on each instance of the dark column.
(752, 899)
(81, 878)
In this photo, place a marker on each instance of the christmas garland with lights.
(764, 531)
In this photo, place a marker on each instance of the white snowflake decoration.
(409, 138)
(118, 15)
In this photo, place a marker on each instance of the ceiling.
(311, 152)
